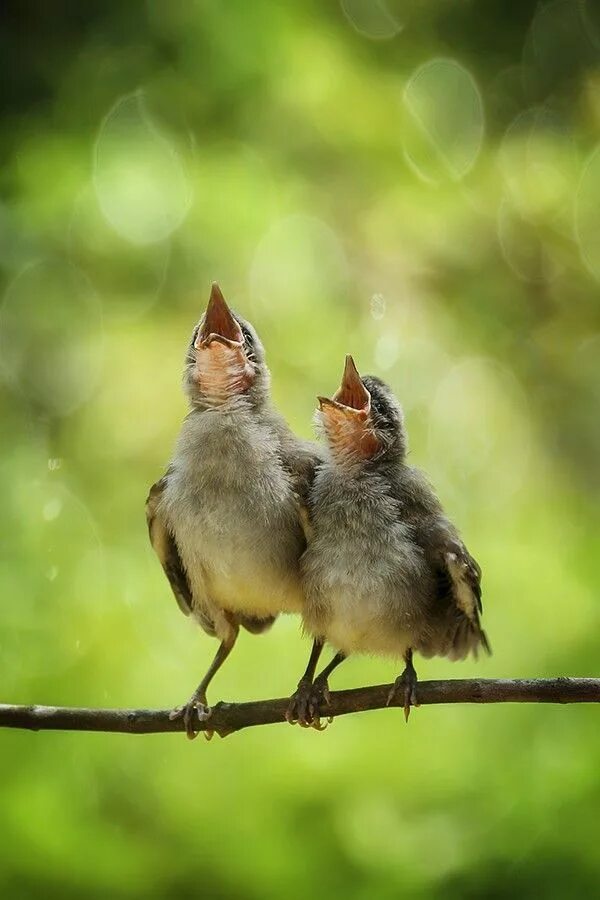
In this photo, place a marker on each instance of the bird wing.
(462, 574)
(465, 575)
(165, 547)
(458, 573)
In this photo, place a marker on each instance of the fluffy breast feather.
(231, 507)
(366, 581)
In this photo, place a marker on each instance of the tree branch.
(229, 717)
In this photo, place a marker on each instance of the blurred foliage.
(418, 184)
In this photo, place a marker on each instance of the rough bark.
(227, 718)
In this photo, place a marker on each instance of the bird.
(385, 571)
(224, 519)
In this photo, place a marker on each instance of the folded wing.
(165, 547)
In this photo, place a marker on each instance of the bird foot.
(306, 703)
(194, 711)
(405, 686)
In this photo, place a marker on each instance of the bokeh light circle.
(445, 129)
(562, 41)
(479, 425)
(127, 276)
(372, 18)
(523, 247)
(377, 306)
(536, 158)
(139, 176)
(51, 336)
(297, 262)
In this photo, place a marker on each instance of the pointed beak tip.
(218, 318)
(350, 369)
(352, 391)
(216, 294)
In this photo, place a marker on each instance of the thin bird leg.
(197, 706)
(405, 685)
(300, 699)
(320, 689)
(323, 676)
(315, 653)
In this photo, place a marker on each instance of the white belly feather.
(250, 572)
(230, 505)
(359, 624)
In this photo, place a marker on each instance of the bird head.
(363, 420)
(225, 359)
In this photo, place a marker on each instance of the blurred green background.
(415, 183)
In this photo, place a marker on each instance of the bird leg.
(321, 685)
(405, 685)
(197, 706)
(299, 705)
(316, 697)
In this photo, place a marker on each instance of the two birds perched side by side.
(250, 521)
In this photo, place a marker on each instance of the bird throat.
(350, 437)
(222, 372)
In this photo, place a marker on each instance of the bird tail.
(468, 637)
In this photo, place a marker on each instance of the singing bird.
(385, 571)
(224, 519)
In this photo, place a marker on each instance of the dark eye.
(191, 356)
(381, 409)
(249, 342)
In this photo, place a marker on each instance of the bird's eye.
(249, 343)
(381, 410)
(191, 354)
(376, 405)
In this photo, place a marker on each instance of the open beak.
(218, 323)
(347, 418)
(222, 369)
(352, 400)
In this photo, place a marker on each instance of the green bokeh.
(417, 184)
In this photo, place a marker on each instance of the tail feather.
(468, 637)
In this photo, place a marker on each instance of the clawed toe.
(306, 703)
(405, 686)
(299, 708)
(193, 712)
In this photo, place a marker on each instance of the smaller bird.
(385, 571)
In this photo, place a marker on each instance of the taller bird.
(385, 571)
(224, 519)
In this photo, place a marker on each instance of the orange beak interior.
(352, 392)
(352, 396)
(219, 323)
(222, 369)
(347, 417)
